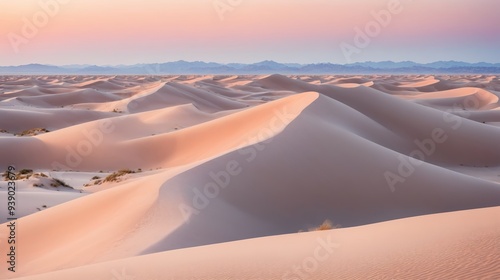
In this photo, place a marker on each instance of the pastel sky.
(109, 32)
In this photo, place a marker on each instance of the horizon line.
(250, 63)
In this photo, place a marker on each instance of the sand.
(227, 175)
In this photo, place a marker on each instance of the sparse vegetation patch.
(115, 177)
(22, 174)
(326, 225)
(59, 183)
(33, 132)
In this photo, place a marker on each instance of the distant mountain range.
(264, 67)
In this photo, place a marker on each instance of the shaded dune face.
(204, 160)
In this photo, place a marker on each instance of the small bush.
(96, 177)
(26, 171)
(59, 183)
(115, 177)
(33, 132)
(24, 174)
(326, 225)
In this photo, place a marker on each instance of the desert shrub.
(33, 132)
(26, 171)
(115, 176)
(326, 225)
(59, 183)
(24, 174)
(96, 177)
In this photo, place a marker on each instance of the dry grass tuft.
(59, 183)
(33, 132)
(326, 225)
(115, 177)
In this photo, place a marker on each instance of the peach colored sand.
(224, 176)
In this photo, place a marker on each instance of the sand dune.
(225, 171)
(28, 118)
(421, 248)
